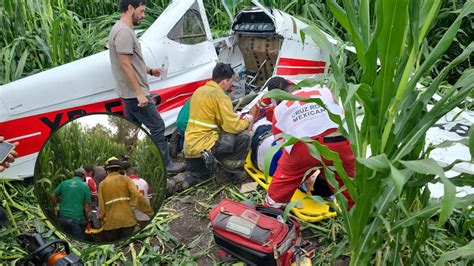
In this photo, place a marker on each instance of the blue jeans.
(149, 116)
(73, 227)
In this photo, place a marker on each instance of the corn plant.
(73, 146)
(35, 35)
(148, 160)
(388, 224)
(464, 37)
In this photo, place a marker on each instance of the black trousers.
(230, 149)
(117, 234)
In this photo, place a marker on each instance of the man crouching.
(214, 131)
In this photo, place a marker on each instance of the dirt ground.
(192, 227)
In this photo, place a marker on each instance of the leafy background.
(73, 146)
(40, 34)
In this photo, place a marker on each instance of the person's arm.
(138, 200)
(253, 112)
(10, 158)
(276, 131)
(124, 43)
(87, 201)
(55, 196)
(87, 195)
(101, 203)
(55, 200)
(153, 71)
(87, 209)
(126, 66)
(92, 187)
(150, 196)
(227, 119)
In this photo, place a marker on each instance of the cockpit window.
(189, 29)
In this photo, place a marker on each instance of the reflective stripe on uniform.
(201, 123)
(115, 200)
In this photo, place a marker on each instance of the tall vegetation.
(463, 39)
(74, 146)
(394, 219)
(37, 35)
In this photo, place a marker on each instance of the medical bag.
(257, 235)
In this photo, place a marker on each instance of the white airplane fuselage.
(262, 43)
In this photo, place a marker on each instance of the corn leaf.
(399, 178)
(379, 163)
(429, 166)
(466, 251)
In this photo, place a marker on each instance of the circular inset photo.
(100, 178)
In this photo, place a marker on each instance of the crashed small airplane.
(262, 43)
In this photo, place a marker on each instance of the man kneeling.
(214, 131)
(301, 119)
(263, 138)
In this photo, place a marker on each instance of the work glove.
(249, 117)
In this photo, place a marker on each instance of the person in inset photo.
(73, 197)
(90, 182)
(145, 189)
(117, 194)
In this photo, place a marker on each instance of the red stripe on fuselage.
(46, 122)
(285, 71)
(300, 62)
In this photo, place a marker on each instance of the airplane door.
(189, 42)
(182, 37)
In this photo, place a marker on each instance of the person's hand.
(142, 100)
(249, 118)
(56, 211)
(10, 158)
(155, 72)
(250, 126)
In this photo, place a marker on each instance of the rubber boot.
(174, 145)
(171, 167)
(180, 182)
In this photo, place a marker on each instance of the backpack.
(257, 235)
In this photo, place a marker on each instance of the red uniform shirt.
(91, 184)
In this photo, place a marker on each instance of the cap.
(80, 170)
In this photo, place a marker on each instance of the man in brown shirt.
(130, 73)
(117, 194)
